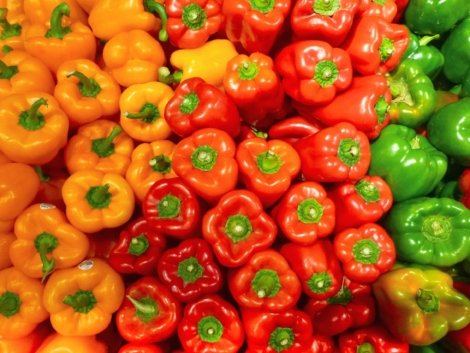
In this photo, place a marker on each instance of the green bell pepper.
(410, 165)
(426, 349)
(456, 51)
(448, 189)
(419, 305)
(435, 16)
(430, 231)
(429, 58)
(413, 95)
(449, 130)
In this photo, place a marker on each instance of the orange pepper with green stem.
(15, 8)
(5, 241)
(39, 11)
(142, 111)
(85, 92)
(57, 343)
(11, 24)
(27, 344)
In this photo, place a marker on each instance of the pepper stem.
(190, 270)
(427, 301)
(148, 113)
(138, 245)
(157, 8)
(381, 109)
(238, 228)
(367, 191)
(349, 152)
(194, 16)
(10, 304)
(160, 164)
(319, 282)
(169, 207)
(436, 228)
(309, 211)
(57, 30)
(7, 72)
(425, 40)
(204, 158)
(88, 87)
(83, 301)
(190, 103)
(99, 197)
(146, 309)
(43, 178)
(263, 6)
(268, 162)
(326, 7)
(210, 329)
(104, 147)
(248, 71)
(326, 73)
(343, 297)
(365, 348)
(32, 119)
(266, 283)
(8, 30)
(366, 251)
(45, 243)
(386, 49)
(281, 338)
(166, 77)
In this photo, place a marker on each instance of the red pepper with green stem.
(386, 9)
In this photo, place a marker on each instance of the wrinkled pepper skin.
(371, 339)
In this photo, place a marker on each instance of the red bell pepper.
(458, 341)
(149, 313)
(334, 154)
(464, 187)
(248, 132)
(140, 348)
(352, 307)
(365, 252)
(171, 207)
(305, 213)
(367, 99)
(316, 266)
(292, 129)
(265, 282)
(376, 46)
(322, 344)
(401, 7)
(371, 339)
(326, 20)
(313, 71)
(138, 249)
(255, 24)
(191, 22)
(267, 167)
(289, 331)
(386, 9)
(189, 270)
(255, 88)
(196, 105)
(357, 203)
(238, 227)
(50, 189)
(211, 324)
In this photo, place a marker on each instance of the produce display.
(234, 176)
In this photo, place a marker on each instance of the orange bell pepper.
(95, 200)
(150, 163)
(111, 17)
(21, 308)
(85, 92)
(142, 111)
(100, 145)
(45, 241)
(81, 300)
(56, 343)
(3, 159)
(32, 127)
(133, 57)
(11, 24)
(19, 185)
(39, 11)
(15, 10)
(5, 241)
(20, 72)
(27, 344)
(87, 5)
(57, 43)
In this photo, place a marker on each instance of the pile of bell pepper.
(234, 176)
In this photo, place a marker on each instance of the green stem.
(366, 251)
(266, 283)
(381, 109)
(319, 282)
(204, 158)
(367, 191)
(263, 6)
(157, 8)
(32, 119)
(194, 16)
(7, 72)
(326, 7)
(146, 309)
(190, 103)
(8, 30)
(104, 147)
(82, 301)
(386, 49)
(365, 348)
(138, 245)
(281, 338)
(190, 270)
(415, 143)
(425, 40)
(427, 301)
(343, 297)
(349, 152)
(43, 178)
(326, 73)
(436, 228)
(88, 87)
(248, 71)
(268, 162)
(309, 211)
(160, 164)
(6, 49)
(148, 113)
(10, 304)
(169, 207)
(45, 243)
(98, 197)
(238, 228)
(57, 30)
(166, 77)
(210, 329)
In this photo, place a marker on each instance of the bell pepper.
(133, 57)
(464, 187)
(149, 313)
(211, 324)
(11, 25)
(140, 348)
(191, 23)
(357, 203)
(103, 242)
(40, 11)
(108, 18)
(430, 231)
(335, 154)
(81, 300)
(27, 344)
(375, 45)
(142, 111)
(138, 249)
(419, 306)
(56, 43)
(21, 304)
(364, 252)
(150, 162)
(196, 105)
(21, 72)
(267, 168)
(400, 155)
(57, 342)
(6, 239)
(238, 227)
(368, 101)
(171, 207)
(292, 129)
(313, 71)
(428, 57)
(456, 341)
(85, 92)
(374, 339)
(86, 5)
(206, 161)
(353, 306)
(316, 266)
(265, 282)
(100, 145)
(50, 188)
(95, 200)
(247, 132)
(256, 89)
(33, 128)
(329, 21)
(305, 213)
(386, 9)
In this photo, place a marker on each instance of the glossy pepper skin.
(138, 249)
(428, 57)
(305, 213)
(293, 129)
(189, 270)
(456, 52)
(140, 348)
(36, 11)
(149, 313)
(27, 344)
(371, 339)
(255, 24)
(419, 306)
(386, 9)
(197, 105)
(400, 155)
(335, 154)
(430, 231)
(58, 343)
(316, 266)
(238, 227)
(313, 71)
(6, 239)
(171, 207)
(211, 324)
(12, 20)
